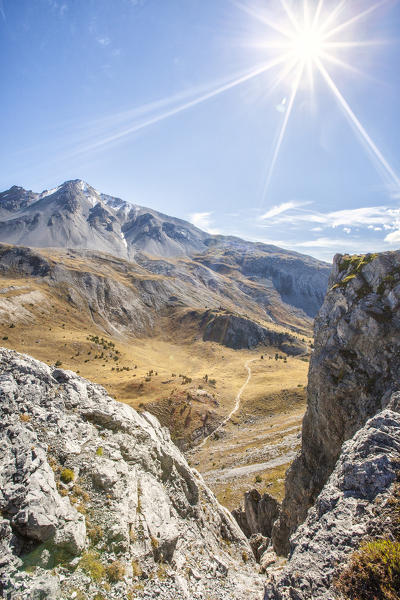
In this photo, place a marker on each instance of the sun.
(302, 40)
(308, 45)
(307, 41)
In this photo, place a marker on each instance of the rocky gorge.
(97, 502)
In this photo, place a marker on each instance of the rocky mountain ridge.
(96, 499)
(74, 215)
(126, 298)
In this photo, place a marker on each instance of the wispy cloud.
(393, 237)
(326, 242)
(281, 208)
(103, 41)
(203, 221)
(370, 216)
(56, 5)
(2, 13)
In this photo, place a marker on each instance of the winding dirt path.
(237, 404)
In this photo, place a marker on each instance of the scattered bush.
(373, 572)
(67, 475)
(95, 532)
(115, 571)
(162, 572)
(137, 571)
(92, 566)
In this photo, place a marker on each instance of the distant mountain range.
(260, 282)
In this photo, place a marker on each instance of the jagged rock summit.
(75, 215)
(97, 502)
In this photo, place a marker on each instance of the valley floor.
(190, 385)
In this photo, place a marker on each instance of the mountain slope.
(288, 287)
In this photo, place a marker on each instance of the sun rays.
(303, 40)
(310, 40)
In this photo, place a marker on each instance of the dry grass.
(51, 329)
(373, 572)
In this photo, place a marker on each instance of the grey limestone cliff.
(350, 509)
(353, 371)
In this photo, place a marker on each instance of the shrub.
(373, 572)
(115, 571)
(67, 475)
(92, 566)
(58, 363)
(162, 573)
(24, 417)
(95, 532)
(258, 479)
(136, 568)
(99, 451)
(154, 542)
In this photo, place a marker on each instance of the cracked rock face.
(87, 486)
(346, 512)
(353, 371)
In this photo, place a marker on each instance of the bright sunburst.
(307, 45)
(303, 40)
(310, 39)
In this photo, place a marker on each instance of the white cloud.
(325, 242)
(281, 208)
(281, 107)
(371, 217)
(104, 41)
(203, 221)
(393, 238)
(347, 229)
(55, 5)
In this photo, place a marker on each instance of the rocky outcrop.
(237, 332)
(96, 500)
(258, 514)
(347, 511)
(354, 368)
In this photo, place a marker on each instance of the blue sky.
(165, 103)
